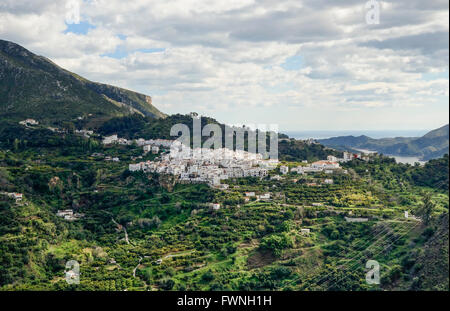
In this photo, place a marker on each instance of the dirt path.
(134, 270)
(176, 255)
(124, 230)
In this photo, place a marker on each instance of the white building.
(265, 196)
(305, 231)
(325, 165)
(29, 122)
(85, 133)
(135, 167)
(276, 177)
(64, 213)
(348, 156)
(16, 196)
(147, 148)
(284, 170)
(332, 158)
(328, 181)
(155, 149)
(108, 140)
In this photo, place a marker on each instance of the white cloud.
(227, 58)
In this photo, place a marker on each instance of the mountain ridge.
(432, 145)
(32, 86)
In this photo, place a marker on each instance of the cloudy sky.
(302, 64)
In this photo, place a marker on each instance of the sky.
(300, 64)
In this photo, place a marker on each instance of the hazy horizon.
(322, 134)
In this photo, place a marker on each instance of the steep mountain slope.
(32, 86)
(432, 145)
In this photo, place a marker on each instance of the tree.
(276, 243)
(426, 209)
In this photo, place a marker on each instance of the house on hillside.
(305, 231)
(284, 170)
(28, 122)
(264, 197)
(16, 196)
(325, 165)
(215, 206)
(108, 140)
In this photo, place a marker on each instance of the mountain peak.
(32, 86)
(442, 131)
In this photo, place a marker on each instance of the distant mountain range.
(32, 86)
(432, 145)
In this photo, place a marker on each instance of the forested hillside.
(147, 232)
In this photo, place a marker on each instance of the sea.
(398, 159)
(370, 133)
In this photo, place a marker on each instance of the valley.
(139, 233)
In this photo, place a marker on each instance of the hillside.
(432, 145)
(252, 245)
(136, 126)
(32, 86)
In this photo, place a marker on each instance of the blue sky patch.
(79, 29)
(293, 63)
(435, 75)
(121, 52)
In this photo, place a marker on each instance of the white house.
(134, 167)
(348, 156)
(332, 158)
(29, 122)
(305, 231)
(249, 194)
(328, 181)
(284, 170)
(155, 149)
(325, 165)
(265, 196)
(276, 177)
(64, 213)
(224, 187)
(16, 196)
(215, 206)
(110, 139)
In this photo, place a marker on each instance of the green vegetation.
(138, 231)
(33, 86)
(146, 232)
